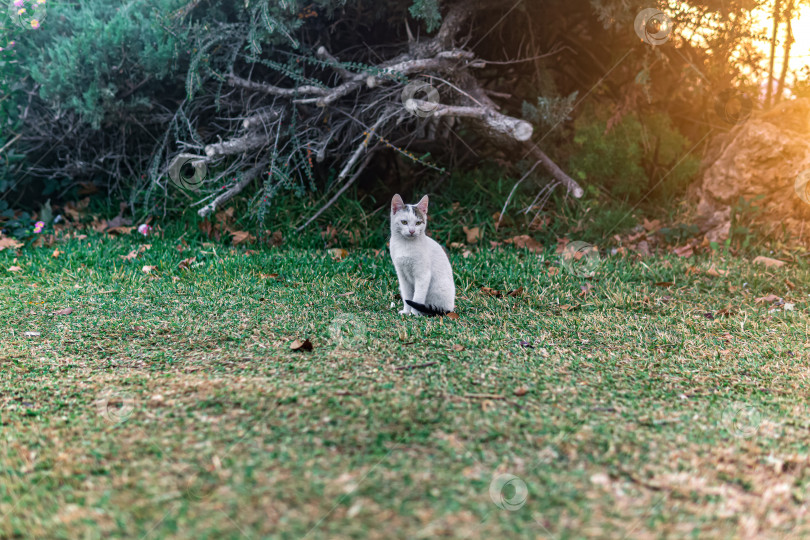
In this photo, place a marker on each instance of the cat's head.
(408, 220)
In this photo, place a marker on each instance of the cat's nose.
(411, 231)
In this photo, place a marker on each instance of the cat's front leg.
(420, 290)
(406, 292)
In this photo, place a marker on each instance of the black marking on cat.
(430, 311)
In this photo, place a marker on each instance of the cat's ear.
(422, 205)
(397, 204)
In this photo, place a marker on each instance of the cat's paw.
(404, 312)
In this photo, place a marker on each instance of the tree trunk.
(786, 59)
(768, 95)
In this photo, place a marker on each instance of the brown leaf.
(458, 347)
(452, 316)
(56, 253)
(473, 234)
(525, 241)
(521, 391)
(716, 272)
(241, 237)
(790, 284)
(185, 264)
(6, 242)
(75, 209)
(664, 284)
(148, 269)
(684, 251)
(516, 292)
(768, 262)
(553, 271)
(651, 226)
(66, 311)
(276, 239)
(14, 269)
(338, 253)
(268, 276)
(130, 256)
(119, 221)
(770, 299)
(725, 312)
(299, 345)
(119, 230)
(488, 291)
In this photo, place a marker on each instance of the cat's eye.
(404, 222)
(418, 222)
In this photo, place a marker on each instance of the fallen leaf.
(130, 256)
(768, 262)
(119, 221)
(299, 345)
(716, 272)
(770, 299)
(684, 251)
(790, 284)
(268, 276)
(119, 230)
(458, 347)
(66, 311)
(473, 234)
(561, 243)
(185, 264)
(643, 248)
(14, 269)
(148, 269)
(457, 245)
(488, 291)
(276, 239)
(651, 226)
(553, 271)
(521, 391)
(56, 253)
(452, 316)
(516, 292)
(725, 312)
(6, 242)
(338, 253)
(241, 237)
(525, 241)
(664, 284)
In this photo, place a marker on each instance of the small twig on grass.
(415, 366)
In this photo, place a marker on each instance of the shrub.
(637, 157)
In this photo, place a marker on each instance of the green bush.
(639, 156)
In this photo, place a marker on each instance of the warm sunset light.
(799, 49)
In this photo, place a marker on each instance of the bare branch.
(491, 120)
(247, 177)
(570, 184)
(235, 146)
(233, 80)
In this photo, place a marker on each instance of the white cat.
(423, 269)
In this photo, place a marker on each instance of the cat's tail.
(430, 311)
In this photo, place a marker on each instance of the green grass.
(170, 405)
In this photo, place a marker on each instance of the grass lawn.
(654, 400)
